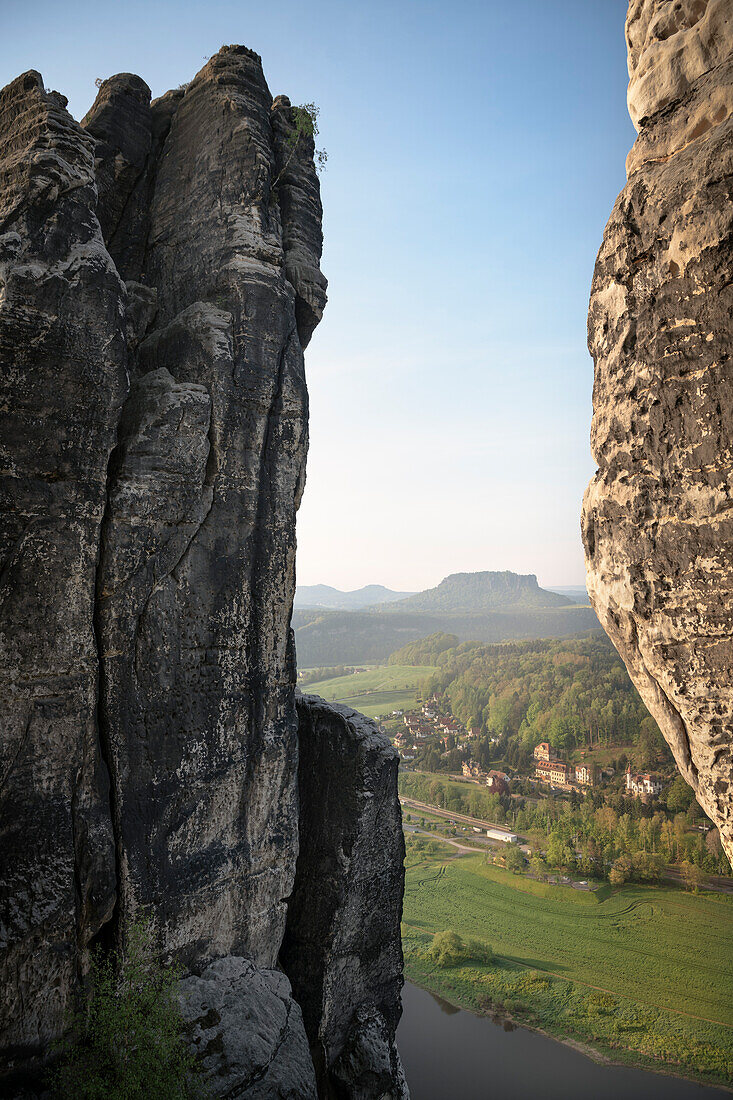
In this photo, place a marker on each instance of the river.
(450, 1054)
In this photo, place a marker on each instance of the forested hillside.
(572, 692)
(325, 637)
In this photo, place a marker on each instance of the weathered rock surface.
(671, 43)
(120, 121)
(197, 567)
(247, 1032)
(658, 516)
(369, 1065)
(62, 379)
(301, 218)
(342, 949)
(153, 436)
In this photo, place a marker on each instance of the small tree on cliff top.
(305, 118)
(306, 126)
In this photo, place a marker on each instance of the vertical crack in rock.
(108, 930)
(658, 516)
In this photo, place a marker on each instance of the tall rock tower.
(159, 282)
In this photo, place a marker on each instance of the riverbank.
(448, 1051)
(470, 992)
(608, 972)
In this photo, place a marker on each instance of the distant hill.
(470, 593)
(578, 593)
(327, 637)
(476, 607)
(322, 595)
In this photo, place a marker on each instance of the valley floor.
(375, 692)
(642, 975)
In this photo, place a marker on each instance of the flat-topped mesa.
(658, 516)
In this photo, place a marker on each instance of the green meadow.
(613, 968)
(378, 691)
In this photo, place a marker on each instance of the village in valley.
(432, 723)
(539, 754)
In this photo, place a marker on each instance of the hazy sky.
(475, 152)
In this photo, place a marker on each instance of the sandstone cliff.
(159, 281)
(658, 516)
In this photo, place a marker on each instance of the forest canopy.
(572, 692)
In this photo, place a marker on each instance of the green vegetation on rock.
(127, 1043)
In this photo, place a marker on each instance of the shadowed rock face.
(154, 435)
(658, 516)
(121, 124)
(197, 566)
(63, 381)
(342, 945)
(270, 1057)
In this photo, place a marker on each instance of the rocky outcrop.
(658, 516)
(154, 435)
(121, 124)
(301, 219)
(342, 948)
(267, 1058)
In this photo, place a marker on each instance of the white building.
(639, 785)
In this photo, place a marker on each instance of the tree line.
(316, 675)
(620, 842)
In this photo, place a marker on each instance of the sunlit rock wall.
(658, 515)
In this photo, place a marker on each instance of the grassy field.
(378, 691)
(643, 972)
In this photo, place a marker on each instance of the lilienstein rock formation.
(658, 515)
(159, 281)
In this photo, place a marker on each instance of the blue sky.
(475, 152)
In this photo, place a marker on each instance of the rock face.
(658, 516)
(342, 947)
(268, 1059)
(63, 383)
(154, 435)
(197, 567)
